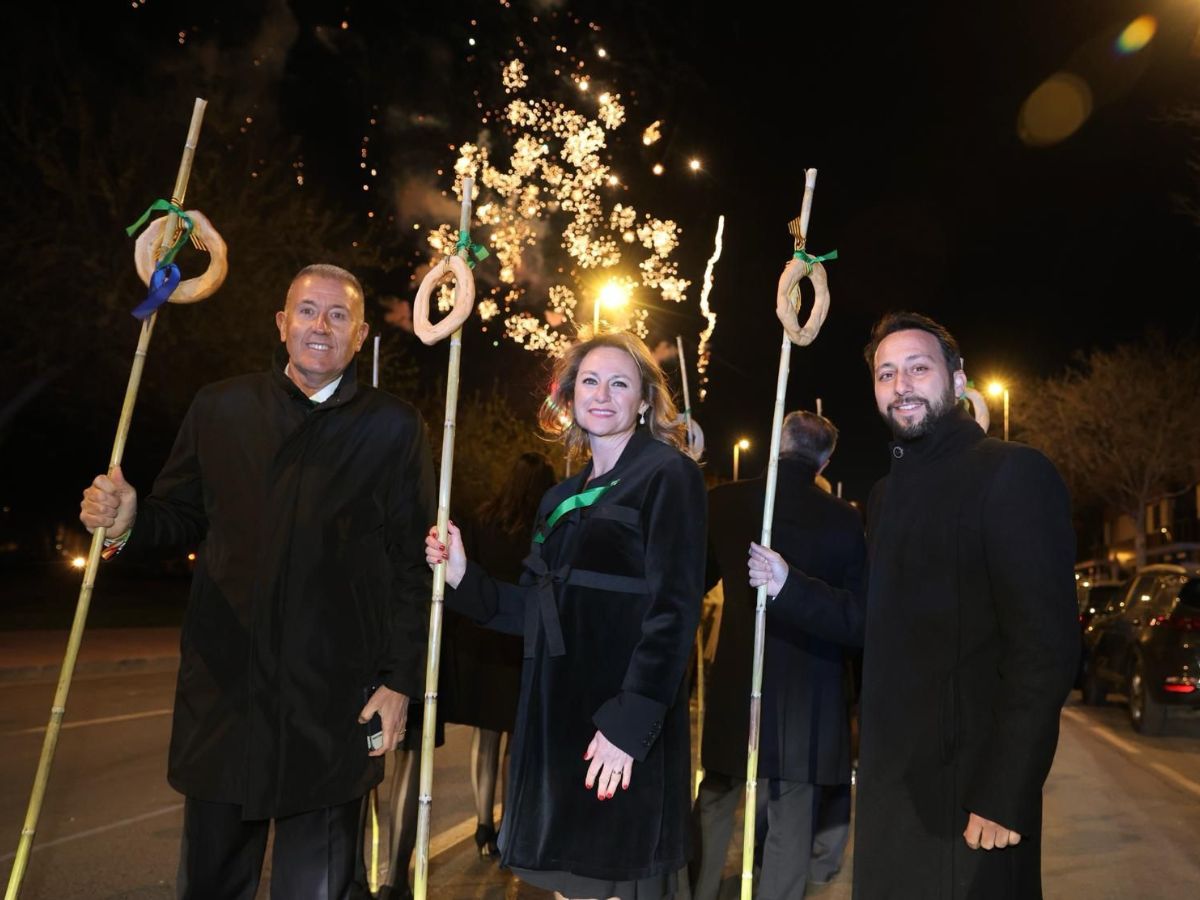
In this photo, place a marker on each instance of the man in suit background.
(805, 737)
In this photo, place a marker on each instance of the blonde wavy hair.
(557, 418)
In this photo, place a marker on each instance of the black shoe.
(485, 840)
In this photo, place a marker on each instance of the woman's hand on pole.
(767, 567)
(110, 503)
(610, 767)
(454, 556)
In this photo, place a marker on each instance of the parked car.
(1095, 598)
(1098, 598)
(1148, 646)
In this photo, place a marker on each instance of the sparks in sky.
(704, 352)
(547, 185)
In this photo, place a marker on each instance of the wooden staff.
(433, 658)
(59, 708)
(373, 797)
(687, 424)
(760, 609)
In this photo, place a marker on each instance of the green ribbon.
(809, 259)
(478, 251)
(165, 206)
(575, 501)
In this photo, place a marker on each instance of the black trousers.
(790, 811)
(222, 855)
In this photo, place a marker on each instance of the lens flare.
(1137, 34)
(1055, 110)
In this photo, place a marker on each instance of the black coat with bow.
(608, 607)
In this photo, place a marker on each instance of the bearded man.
(970, 639)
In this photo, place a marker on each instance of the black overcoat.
(804, 735)
(608, 607)
(970, 650)
(310, 585)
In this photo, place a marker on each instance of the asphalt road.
(1122, 811)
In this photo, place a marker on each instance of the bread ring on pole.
(464, 300)
(979, 408)
(787, 301)
(146, 258)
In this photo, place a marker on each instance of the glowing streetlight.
(996, 389)
(78, 562)
(614, 295)
(658, 169)
(741, 445)
(694, 164)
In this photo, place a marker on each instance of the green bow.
(478, 251)
(165, 206)
(808, 259)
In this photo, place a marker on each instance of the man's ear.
(960, 384)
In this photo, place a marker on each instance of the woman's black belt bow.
(545, 604)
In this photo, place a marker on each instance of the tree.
(1123, 425)
(490, 434)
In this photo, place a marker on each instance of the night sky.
(1030, 248)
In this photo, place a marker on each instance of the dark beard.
(934, 413)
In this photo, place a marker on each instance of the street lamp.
(614, 295)
(741, 445)
(997, 388)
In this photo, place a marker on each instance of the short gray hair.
(808, 437)
(333, 273)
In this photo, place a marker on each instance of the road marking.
(1183, 781)
(1131, 749)
(1101, 732)
(1162, 769)
(107, 720)
(91, 832)
(448, 839)
(440, 843)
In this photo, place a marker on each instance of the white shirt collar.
(324, 393)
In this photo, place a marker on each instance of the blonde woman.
(607, 606)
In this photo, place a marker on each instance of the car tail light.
(1180, 684)
(1189, 621)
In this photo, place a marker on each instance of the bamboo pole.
(433, 657)
(59, 707)
(760, 607)
(687, 424)
(373, 797)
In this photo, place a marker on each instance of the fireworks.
(703, 351)
(548, 184)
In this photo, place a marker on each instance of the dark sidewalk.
(37, 654)
(133, 620)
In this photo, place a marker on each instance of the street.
(1122, 811)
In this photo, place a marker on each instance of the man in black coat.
(805, 739)
(971, 641)
(307, 495)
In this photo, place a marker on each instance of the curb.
(49, 673)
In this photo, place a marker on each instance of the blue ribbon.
(166, 274)
(162, 284)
